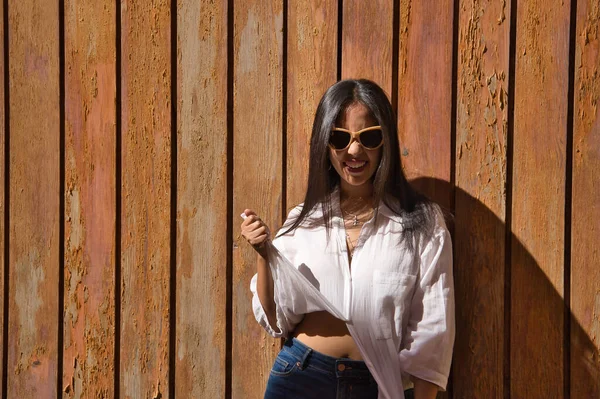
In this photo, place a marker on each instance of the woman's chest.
(326, 261)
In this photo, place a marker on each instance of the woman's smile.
(355, 167)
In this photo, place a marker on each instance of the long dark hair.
(389, 182)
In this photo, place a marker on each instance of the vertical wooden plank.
(312, 68)
(480, 198)
(3, 277)
(257, 180)
(538, 198)
(425, 94)
(34, 198)
(201, 205)
(367, 41)
(585, 258)
(90, 87)
(146, 174)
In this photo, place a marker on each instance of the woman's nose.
(355, 148)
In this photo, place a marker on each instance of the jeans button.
(341, 367)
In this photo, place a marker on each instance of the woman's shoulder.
(295, 212)
(435, 233)
(312, 220)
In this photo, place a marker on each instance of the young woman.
(359, 278)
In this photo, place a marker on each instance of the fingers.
(254, 230)
(251, 217)
(252, 223)
(258, 240)
(257, 224)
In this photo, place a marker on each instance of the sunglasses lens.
(339, 140)
(371, 138)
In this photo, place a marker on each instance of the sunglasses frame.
(356, 136)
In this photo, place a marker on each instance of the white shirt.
(398, 305)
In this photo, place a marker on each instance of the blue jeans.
(302, 373)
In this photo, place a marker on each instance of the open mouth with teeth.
(355, 166)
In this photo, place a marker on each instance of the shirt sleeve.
(285, 323)
(427, 345)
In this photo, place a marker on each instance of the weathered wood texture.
(34, 199)
(312, 68)
(425, 94)
(257, 174)
(479, 248)
(538, 198)
(146, 182)
(201, 193)
(3, 277)
(585, 256)
(89, 304)
(367, 41)
(233, 120)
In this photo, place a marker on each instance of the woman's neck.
(364, 191)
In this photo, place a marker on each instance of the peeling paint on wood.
(480, 198)
(585, 256)
(367, 41)
(145, 218)
(89, 313)
(201, 205)
(424, 103)
(34, 199)
(425, 94)
(257, 180)
(538, 195)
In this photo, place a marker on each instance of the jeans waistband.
(341, 367)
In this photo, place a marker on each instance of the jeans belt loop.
(305, 358)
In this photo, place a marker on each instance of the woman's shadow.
(502, 315)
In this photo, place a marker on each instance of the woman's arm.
(424, 389)
(256, 232)
(429, 335)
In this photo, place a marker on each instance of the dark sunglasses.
(370, 138)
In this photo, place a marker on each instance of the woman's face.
(356, 165)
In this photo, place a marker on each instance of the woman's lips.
(355, 166)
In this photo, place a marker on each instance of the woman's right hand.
(255, 231)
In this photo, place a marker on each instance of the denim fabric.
(302, 373)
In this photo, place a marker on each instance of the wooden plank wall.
(541, 87)
(90, 194)
(135, 133)
(201, 249)
(3, 273)
(257, 173)
(480, 198)
(146, 198)
(585, 231)
(34, 208)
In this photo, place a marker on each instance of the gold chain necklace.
(354, 208)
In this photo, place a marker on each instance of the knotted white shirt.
(397, 301)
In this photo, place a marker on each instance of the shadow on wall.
(480, 300)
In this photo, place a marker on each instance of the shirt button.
(341, 367)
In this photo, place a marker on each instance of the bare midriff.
(326, 334)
